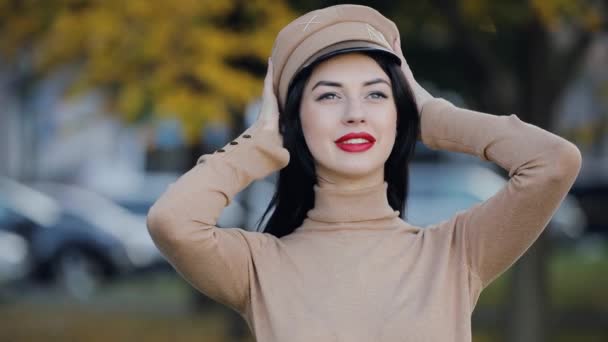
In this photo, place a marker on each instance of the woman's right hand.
(420, 94)
(268, 118)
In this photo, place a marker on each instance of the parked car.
(14, 256)
(142, 195)
(439, 190)
(594, 201)
(128, 228)
(64, 249)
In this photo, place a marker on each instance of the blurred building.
(46, 136)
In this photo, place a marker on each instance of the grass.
(578, 280)
(74, 324)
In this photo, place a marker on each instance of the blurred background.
(104, 103)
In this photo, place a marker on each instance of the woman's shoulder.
(254, 239)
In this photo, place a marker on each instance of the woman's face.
(349, 93)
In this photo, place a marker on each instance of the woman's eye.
(327, 96)
(378, 95)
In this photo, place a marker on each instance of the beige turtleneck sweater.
(355, 271)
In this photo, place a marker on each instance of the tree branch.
(482, 55)
(500, 91)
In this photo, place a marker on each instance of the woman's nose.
(354, 112)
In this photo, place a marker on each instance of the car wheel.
(77, 273)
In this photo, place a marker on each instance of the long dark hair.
(294, 194)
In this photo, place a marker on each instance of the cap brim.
(346, 47)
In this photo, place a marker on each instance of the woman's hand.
(268, 117)
(420, 94)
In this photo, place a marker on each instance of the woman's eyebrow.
(327, 83)
(377, 80)
(336, 84)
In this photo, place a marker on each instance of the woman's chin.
(355, 171)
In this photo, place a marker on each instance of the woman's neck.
(334, 181)
(340, 199)
(342, 207)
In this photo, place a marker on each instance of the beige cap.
(325, 32)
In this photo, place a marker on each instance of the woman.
(340, 116)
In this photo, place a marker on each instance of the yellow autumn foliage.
(550, 12)
(171, 58)
(176, 58)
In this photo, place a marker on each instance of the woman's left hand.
(420, 94)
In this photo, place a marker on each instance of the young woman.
(340, 116)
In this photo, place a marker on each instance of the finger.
(269, 101)
(397, 46)
(404, 64)
(268, 88)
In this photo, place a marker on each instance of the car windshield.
(425, 208)
(94, 209)
(29, 203)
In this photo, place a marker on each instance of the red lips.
(353, 135)
(359, 147)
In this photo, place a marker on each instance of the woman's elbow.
(568, 162)
(158, 221)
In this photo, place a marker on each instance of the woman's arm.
(217, 261)
(542, 168)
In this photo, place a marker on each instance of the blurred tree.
(195, 60)
(503, 57)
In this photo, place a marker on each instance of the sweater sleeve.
(542, 167)
(216, 261)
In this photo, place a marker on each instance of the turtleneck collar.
(339, 206)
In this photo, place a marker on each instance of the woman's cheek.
(389, 129)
